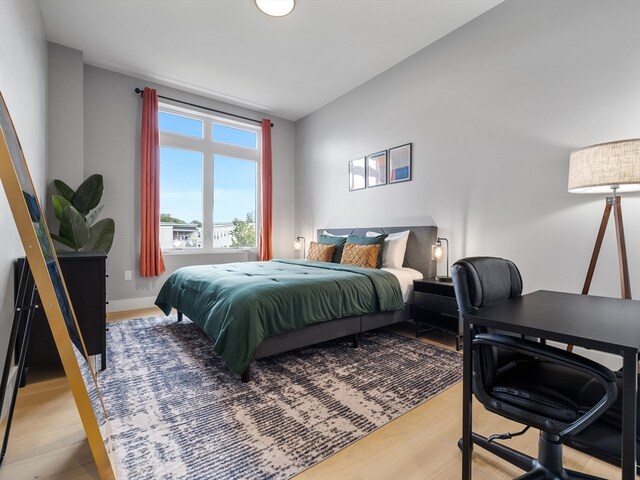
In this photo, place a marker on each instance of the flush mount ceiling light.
(276, 8)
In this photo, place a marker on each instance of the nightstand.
(434, 306)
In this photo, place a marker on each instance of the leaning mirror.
(52, 291)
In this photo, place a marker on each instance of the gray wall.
(23, 77)
(112, 113)
(493, 110)
(65, 119)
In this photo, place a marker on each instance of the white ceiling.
(230, 51)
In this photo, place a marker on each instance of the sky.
(234, 180)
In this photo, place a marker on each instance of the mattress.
(405, 277)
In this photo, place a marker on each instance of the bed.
(254, 310)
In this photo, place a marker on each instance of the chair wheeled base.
(548, 465)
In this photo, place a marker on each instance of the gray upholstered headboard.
(418, 254)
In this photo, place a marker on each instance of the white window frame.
(208, 147)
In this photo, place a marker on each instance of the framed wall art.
(400, 163)
(377, 169)
(356, 174)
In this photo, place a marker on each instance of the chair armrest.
(547, 352)
(599, 372)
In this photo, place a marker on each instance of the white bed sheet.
(405, 276)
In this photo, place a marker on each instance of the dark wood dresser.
(85, 276)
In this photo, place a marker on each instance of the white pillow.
(394, 248)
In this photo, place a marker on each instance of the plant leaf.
(73, 228)
(65, 190)
(102, 236)
(89, 194)
(59, 204)
(91, 218)
(62, 241)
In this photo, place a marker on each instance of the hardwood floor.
(48, 441)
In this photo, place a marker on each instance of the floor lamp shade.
(610, 168)
(600, 168)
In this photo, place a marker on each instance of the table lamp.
(612, 167)
(297, 246)
(437, 254)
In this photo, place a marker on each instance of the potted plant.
(77, 212)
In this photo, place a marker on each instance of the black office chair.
(557, 392)
(603, 438)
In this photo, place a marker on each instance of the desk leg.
(629, 393)
(466, 404)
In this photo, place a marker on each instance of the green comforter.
(240, 304)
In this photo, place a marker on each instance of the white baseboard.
(130, 304)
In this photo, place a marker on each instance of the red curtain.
(151, 262)
(264, 242)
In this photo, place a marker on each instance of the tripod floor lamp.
(614, 168)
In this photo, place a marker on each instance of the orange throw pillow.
(361, 255)
(319, 252)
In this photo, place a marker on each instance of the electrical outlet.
(127, 274)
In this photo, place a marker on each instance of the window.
(180, 198)
(234, 136)
(178, 124)
(234, 201)
(209, 188)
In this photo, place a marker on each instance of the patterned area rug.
(177, 412)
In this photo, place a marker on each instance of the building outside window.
(209, 188)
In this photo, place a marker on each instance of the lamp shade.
(599, 168)
(437, 252)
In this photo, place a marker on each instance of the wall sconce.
(437, 254)
(297, 246)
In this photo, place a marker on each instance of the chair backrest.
(482, 281)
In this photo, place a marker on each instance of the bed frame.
(417, 257)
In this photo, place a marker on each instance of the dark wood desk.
(605, 324)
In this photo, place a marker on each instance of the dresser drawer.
(435, 303)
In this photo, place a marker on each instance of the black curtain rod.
(141, 92)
